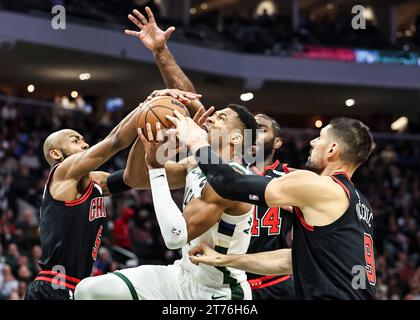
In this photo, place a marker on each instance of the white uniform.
(185, 281)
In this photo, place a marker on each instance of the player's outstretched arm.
(78, 165)
(155, 39)
(265, 263)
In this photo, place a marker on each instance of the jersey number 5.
(369, 259)
(270, 220)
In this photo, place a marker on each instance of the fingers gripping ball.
(157, 109)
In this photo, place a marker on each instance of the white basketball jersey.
(230, 235)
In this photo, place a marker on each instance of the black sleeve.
(115, 182)
(228, 183)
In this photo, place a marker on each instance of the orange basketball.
(156, 109)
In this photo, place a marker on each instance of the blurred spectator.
(9, 284)
(122, 230)
(26, 231)
(30, 160)
(104, 263)
(8, 113)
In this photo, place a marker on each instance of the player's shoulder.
(304, 174)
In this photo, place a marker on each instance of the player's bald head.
(57, 141)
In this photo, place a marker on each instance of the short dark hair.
(274, 124)
(276, 133)
(357, 139)
(246, 118)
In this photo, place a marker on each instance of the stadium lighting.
(330, 6)
(399, 124)
(84, 76)
(31, 88)
(204, 6)
(193, 11)
(247, 96)
(350, 102)
(368, 14)
(408, 33)
(74, 94)
(318, 124)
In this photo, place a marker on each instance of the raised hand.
(183, 96)
(157, 150)
(202, 115)
(150, 34)
(188, 132)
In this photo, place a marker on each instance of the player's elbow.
(175, 239)
(174, 245)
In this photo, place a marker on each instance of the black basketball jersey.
(336, 261)
(71, 231)
(270, 225)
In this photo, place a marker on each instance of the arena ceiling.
(55, 72)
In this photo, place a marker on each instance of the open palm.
(150, 34)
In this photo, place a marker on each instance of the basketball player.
(223, 224)
(271, 226)
(72, 210)
(332, 253)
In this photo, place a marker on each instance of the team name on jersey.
(97, 209)
(97, 243)
(364, 213)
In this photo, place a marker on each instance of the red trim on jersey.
(258, 283)
(272, 167)
(50, 173)
(342, 185)
(302, 220)
(257, 171)
(82, 198)
(286, 168)
(344, 174)
(53, 280)
(61, 275)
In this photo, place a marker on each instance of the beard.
(313, 165)
(268, 149)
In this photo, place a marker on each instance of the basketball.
(157, 109)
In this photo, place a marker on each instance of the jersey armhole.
(336, 180)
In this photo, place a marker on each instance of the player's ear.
(332, 149)
(236, 138)
(56, 155)
(278, 142)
